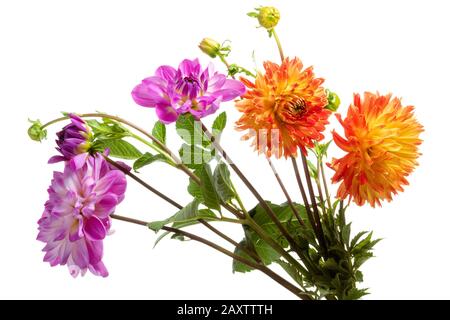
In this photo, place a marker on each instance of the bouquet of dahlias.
(284, 110)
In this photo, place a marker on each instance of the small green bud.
(210, 47)
(35, 132)
(268, 17)
(333, 101)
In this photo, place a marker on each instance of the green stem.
(321, 239)
(285, 192)
(277, 40)
(154, 147)
(158, 143)
(325, 185)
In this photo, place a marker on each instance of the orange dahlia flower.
(381, 141)
(284, 109)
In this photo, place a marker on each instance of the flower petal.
(94, 229)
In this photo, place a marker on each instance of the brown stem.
(286, 194)
(283, 282)
(314, 203)
(252, 189)
(143, 183)
(304, 197)
(227, 238)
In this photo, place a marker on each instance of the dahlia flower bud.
(268, 17)
(35, 132)
(210, 47)
(333, 101)
(74, 139)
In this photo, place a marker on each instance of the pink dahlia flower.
(74, 142)
(189, 89)
(76, 216)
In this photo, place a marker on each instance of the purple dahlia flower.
(189, 89)
(74, 141)
(76, 217)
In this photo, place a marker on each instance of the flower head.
(75, 139)
(381, 141)
(188, 89)
(76, 216)
(284, 109)
(268, 17)
(210, 47)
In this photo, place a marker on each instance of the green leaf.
(286, 218)
(263, 250)
(146, 159)
(186, 215)
(205, 214)
(346, 234)
(119, 148)
(191, 131)
(159, 131)
(194, 156)
(195, 190)
(237, 265)
(291, 271)
(219, 123)
(312, 170)
(107, 129)
(321, 149)
(222, 183)
(356, 238)
(209, 193)
(355, 294)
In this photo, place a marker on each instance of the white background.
(87, 55)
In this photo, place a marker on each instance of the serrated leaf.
(195, 190)
(355, 294)
(287, 219)
(291, 271)
(159, 131)
(107, 129)
(187, 214)
(191, 131)
(146, 159)
(356, 238)
(219, 123)
(346, 234)
(209, 193)
(237, 265)
(205, 214)
(119, 148)
(194, 156)
(222, 183)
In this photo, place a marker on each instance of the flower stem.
(286, 194)
(179, 164)
(283, 282)
(256, 194)
(325, 186)
(277, 40)
(322, 241)
(143, 183)
(234, 243)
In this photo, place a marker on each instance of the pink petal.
(167, 114)
(94, 229)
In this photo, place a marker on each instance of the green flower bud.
(333, 101)
(210, 47)
(268, 17)
(35, 132)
